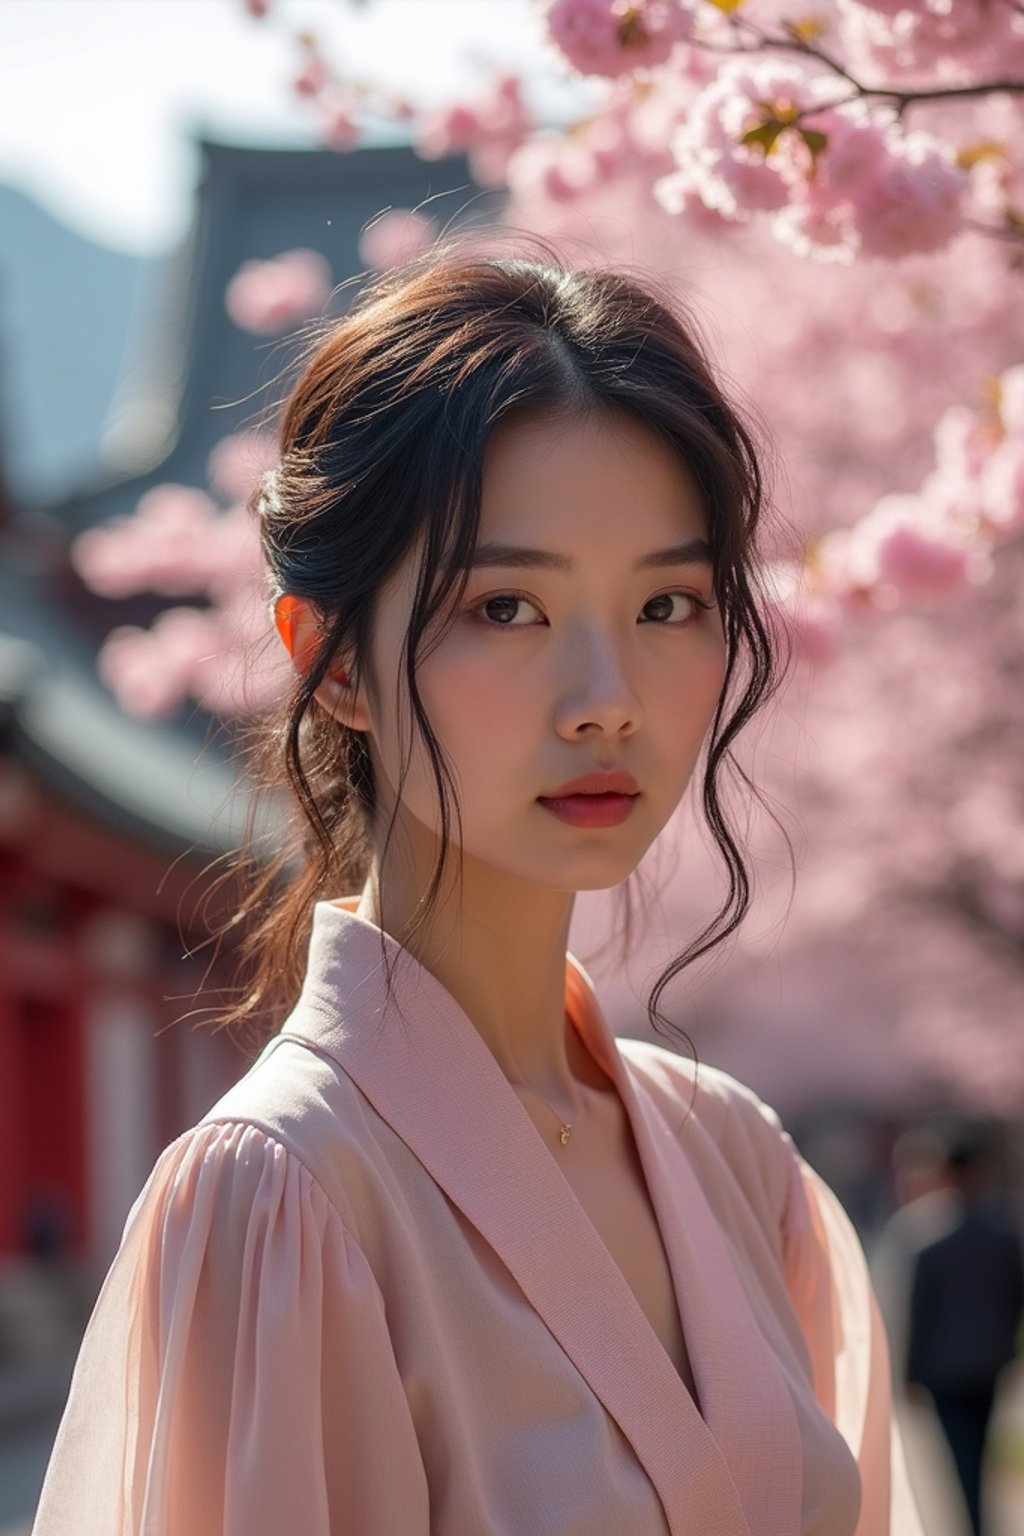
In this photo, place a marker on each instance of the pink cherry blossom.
(237, 462)
(901, 554)
(763, 137)
(874, 194)
(718, 160)
(236, 560)
(1002, 487)
(163, 547)
(978, 478)
(812, 624)
(853, 364)
(1011, 400)
(312, 77)
(150, 670)
(932, 39)
(830, 573)
(448, 132)
(986, 141)
(267, 297)
(217, 658)
(858, 149)
(338, 123)
(885, 7)
(395, 236)
(819, 219)
(562, 169)
(913, 202)
(960, 445)
(137, 672)
(816, 225)
(614, 37)
(489, 129)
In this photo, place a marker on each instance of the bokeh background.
(182, 184)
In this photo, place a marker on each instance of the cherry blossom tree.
(867, 135)
(835, 188)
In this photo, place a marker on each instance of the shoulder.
(301, 1107)
(228, 1202)
(725, 1128)
(721, 1103)
(291, 1089)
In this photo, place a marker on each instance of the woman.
(449, 1258)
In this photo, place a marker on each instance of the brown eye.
(503, 610)
(667, 610)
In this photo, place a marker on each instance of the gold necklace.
(564, 1126)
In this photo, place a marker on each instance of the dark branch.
(1009, 232)
(791, 42)
(960, 897)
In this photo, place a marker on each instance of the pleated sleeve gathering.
(827, 1278)
(236, 1377)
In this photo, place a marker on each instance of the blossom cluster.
(488, 129)
(911, 40)
(921, 548)
(267, 297)
(183, 543)
(804, 118)
(831, 160)
(918, 40)
(845, 180)
(759, 140)
(612, 37)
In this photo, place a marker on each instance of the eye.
(675, 608)
(499, 611)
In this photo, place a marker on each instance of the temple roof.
(191, 377)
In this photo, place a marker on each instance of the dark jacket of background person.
(966, 1302)
(965, 1299)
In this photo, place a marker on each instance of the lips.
(593, 801)
(614, 783)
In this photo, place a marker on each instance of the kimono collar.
(422, 1064)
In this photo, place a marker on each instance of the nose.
(597, 693)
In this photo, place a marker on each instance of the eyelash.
(477, 614)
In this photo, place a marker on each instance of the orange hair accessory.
(288, 611)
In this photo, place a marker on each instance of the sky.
(99, 98)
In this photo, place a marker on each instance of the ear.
(297, 623)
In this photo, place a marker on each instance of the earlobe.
(342, 702)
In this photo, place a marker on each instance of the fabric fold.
(212, 1393)
(360, 1297)
(828, 1279)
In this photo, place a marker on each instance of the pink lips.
(593, 800)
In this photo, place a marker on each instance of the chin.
(597, 874)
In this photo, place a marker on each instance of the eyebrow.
(695, 552)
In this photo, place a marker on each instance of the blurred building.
(107, 823)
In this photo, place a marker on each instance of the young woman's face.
(591, 651)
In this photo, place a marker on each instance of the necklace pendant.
(564, 1135)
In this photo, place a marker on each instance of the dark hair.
(383, 441)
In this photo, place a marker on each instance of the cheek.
(694, 698)
(475, 707)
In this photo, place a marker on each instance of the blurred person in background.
(949, 1273)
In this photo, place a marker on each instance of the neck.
(499, 948)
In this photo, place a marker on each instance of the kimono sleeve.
(827, 1278)
(236, 1375)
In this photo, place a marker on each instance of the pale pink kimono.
(360, 1297)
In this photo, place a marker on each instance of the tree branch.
(793, 43)
(960, 897)
(996, 231)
